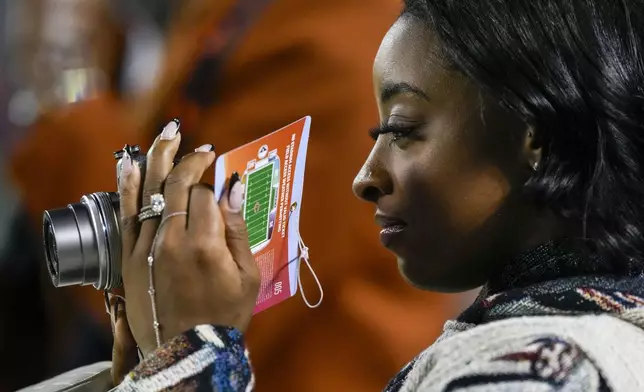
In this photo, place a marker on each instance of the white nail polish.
(205, 148)
(126, 166)
(171, 130)
(235, 197)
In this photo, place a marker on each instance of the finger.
(236, 230)
(124, 351)
(112, 304)
(183, 177)
(204, 217)
(159, 164)
(129, 187)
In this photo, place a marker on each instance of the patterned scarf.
(551, 279)
(556, 279)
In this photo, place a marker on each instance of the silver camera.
(83, 240)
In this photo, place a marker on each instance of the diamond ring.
(154, 209)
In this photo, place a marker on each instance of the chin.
(422, 276)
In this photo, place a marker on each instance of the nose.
(372, 181)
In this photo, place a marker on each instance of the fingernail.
(171, 130)
(113, 311)
(205, 148)
(235, 194)
(108, 302)
(233, 179)
(126, 166)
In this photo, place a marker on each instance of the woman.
(510, 155)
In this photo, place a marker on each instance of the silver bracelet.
(151, 290)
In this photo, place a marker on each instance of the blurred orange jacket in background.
(300, 58)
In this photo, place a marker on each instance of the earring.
(535, 166)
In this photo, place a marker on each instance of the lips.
(392, 228)
(386, 221)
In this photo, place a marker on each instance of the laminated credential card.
(271, 170)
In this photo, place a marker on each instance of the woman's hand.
(124, 350)
(204, 271)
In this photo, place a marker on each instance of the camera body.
(83, 240)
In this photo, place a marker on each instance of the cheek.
(475, 197)
(458, 197)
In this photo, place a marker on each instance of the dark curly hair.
(574, 70)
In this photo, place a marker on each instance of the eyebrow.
(389, 90)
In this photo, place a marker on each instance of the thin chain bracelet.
(151, 290)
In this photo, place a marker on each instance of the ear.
(532, 148)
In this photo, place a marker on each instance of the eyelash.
(397, 131)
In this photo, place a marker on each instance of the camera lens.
(82, 242)
(51, 249)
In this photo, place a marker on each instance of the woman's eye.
(402, 136)
(399, 134)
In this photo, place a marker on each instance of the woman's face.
(447, 182)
